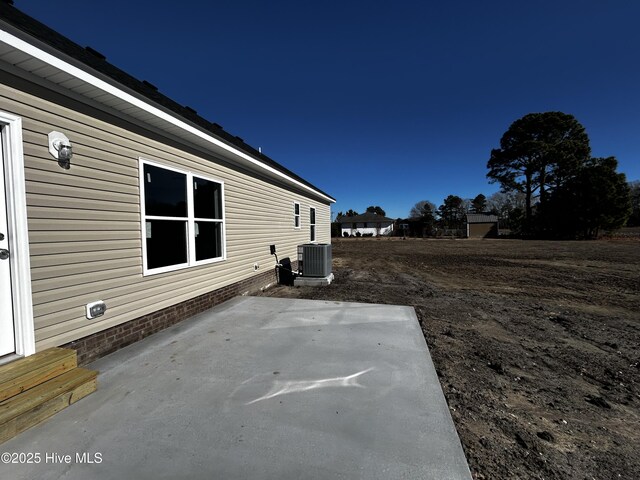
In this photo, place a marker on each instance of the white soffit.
(34, 60)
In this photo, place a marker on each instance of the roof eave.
(49, 63)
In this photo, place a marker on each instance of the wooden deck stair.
(34, 388)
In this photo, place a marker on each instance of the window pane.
(208, 240)
(296, 208)
(165, 192)
(312, 215)
(207, 199)
(313, 233)
(166, 243)
(296, 221)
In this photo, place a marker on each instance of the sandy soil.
(537, 344)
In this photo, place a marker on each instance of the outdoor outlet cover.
(96, 309)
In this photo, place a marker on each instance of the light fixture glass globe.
(65, 152)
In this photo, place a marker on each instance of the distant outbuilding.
(482, 225)
(369, 224)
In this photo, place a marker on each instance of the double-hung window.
(312, 224)
(296, 215)
(182, 217)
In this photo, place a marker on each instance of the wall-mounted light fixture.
(60, 148)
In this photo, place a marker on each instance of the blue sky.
(379, 103)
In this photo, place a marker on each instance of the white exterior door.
(7, 330)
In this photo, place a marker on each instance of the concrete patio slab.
(259, 388)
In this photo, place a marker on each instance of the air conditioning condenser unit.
(314, 259)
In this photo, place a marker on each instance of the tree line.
(550, 186)
(546, 158)
(352, 213)
(451, 215)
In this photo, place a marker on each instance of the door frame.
(18, 234)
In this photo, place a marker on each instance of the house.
(368, 223)
(482, 225)
(125, 212)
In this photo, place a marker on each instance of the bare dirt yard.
(536, 343)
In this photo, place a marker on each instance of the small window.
(207, 212)
(183, 218)
(208, 240)
(166, 243)
(165, 206)
(296, 215)
(166, 196)
(312, 224)
(207, 199)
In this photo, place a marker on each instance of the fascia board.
(132, 100)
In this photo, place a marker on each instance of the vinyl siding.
(84, 223)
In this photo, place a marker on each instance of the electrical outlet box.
(96, 309)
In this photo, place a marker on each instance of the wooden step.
(31, 407)
(26, 373)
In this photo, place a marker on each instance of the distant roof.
(481, 218)
(93, 60)
(365, 217)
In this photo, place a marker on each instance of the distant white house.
(368, 223)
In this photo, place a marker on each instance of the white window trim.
(315, 229)
(190, 219)
(298, 216)
(24, 331)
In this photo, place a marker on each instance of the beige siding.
(84, 223)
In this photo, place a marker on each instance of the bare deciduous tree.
(418, 210)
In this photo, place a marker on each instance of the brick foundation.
(99, 344)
